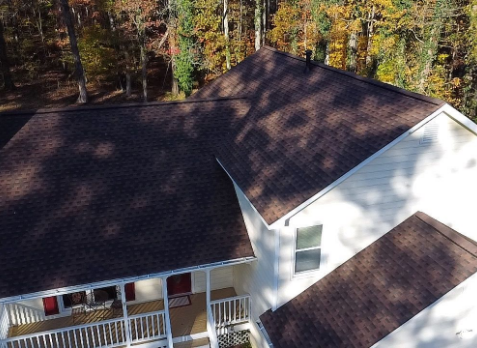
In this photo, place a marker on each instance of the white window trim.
(311, 272)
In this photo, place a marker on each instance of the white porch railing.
(147, 327)
(21, 314)
(108, 333)
(4, 322)
(230, 311)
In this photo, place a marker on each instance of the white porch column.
(210, 323)
(166, 310)
(125, 315)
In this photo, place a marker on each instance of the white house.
(242, 207)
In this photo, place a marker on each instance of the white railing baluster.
(51, 341)
(99, 337)
(105, 336)
(142, 326)
(147, 327)
(20, 314)
(109, 333)
(81, 337)
(134, 337)
(123, 331)
(116, 332)
(230, 311)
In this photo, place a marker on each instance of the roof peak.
(369, 80)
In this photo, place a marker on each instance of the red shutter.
(130, 291)
(50, 304)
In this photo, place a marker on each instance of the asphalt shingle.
(377, 290)
(306, 130)
(100, 193)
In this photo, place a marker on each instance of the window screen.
(308, 248)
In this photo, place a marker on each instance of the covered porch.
(193, 315)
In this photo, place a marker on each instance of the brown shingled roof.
(94, 194)
(377, 290)
(305, 131)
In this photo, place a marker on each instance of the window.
(76, 296)
(308, 248)
(110, 291)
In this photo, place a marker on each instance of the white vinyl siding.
(258, 277)
(451, 321)
(220, 278)
(148, 290)
(308, 248)
(437, 178)
(151, 289)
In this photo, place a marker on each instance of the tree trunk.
(127, 69)
(83, 95)
(40, 26)
(144, 70)
(7, 76)
(128, 84)
(111, 21)
(173, 48)
(242, 30)
(353, 52)
(175, 82)
(370, 36)
(264, 21)
(431, 46)
(258, 25)
(327, 53)
(226, 34)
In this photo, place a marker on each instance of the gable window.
(308, 248)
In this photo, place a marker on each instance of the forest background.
(61, 52)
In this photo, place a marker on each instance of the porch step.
(198, 343)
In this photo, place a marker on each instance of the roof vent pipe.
(308, 60)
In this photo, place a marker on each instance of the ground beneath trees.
(55, 89)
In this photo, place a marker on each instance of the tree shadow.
(305, 131)
(378, 290)
(101, 193)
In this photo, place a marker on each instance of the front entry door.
(179, 284)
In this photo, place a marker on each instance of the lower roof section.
(93, 194)
(377, 290)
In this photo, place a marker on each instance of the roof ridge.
(462, 241)
(371, 81)
(90, 107)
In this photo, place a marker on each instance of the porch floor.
(185, 320)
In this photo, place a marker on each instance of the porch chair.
(78, 305)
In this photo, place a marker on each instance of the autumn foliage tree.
(427, 46)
